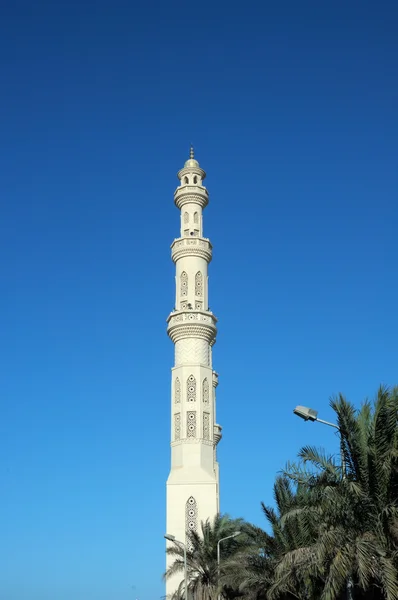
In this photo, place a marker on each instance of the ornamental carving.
(191, 246)
(206, 391)
(190, 316)
(191, 389)
(206, 426)
(184, 284)
(177, 427)
(196, 217)
(202, 242)
(191, 517)
(180, 331)
(191, 424)
(183, 195)
(186, 217)
(191, 351)
(177, 391)
(198, 284)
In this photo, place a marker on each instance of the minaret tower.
(193, 483)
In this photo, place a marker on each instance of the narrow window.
(206, 426)
(184, 284)
(205, 391)
(186, 180)
(191, 517)
(177, 391)
(196, 217)
(191, 389)
(195, 179)
(177, 427)
(186, 217)
(191, 424)
(198, 284)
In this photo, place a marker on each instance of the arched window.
(195, 179)
(191, 517)
(196, 217)
(205, 391)
(184, 284)
(191, 389)
(198, 284)
(177, 427)
(186, 217)
(186, 181)
(206, 426)
(177, 391)
(191, 424)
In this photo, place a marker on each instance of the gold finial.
(191, 162)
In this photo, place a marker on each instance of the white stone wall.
(192, 351)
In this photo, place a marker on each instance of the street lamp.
(233, 535)
(171, 538)
(309, 414)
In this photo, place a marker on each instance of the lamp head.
(169, 537)
(308, 414)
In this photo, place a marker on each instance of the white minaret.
(193, 483)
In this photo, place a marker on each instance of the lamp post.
(171, 538)
(218, 555)
(309, 414)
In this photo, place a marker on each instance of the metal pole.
(343, 465)
(327, 423)
(218, 556)
(171, 538)
(218, 566)
(350, 583)
(185, 571)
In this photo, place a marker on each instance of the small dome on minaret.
(191, 173)
(191, 162)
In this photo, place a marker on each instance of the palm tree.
(355, 517)
(333, 532)
(252, 569)
(202, 558)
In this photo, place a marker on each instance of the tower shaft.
(193, 482)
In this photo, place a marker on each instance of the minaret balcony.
(192, 324)
(188, 194)
(217, 433)
(215, 379)
(191, 247)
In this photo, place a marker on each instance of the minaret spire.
(193, 482)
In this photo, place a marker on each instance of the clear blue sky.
(292, 108)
